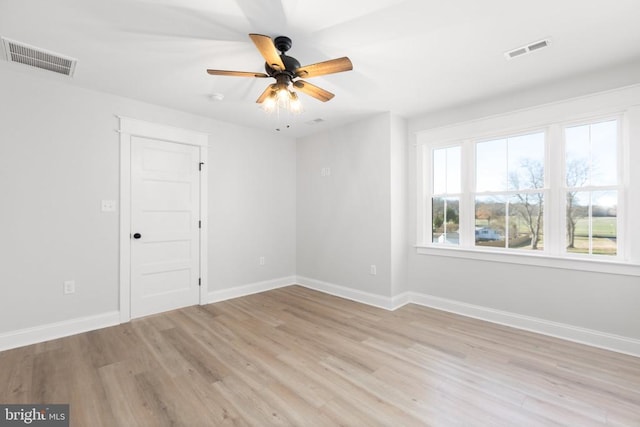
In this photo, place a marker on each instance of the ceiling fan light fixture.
(295, 106)
(270, 104)
(283, 93)
(281, 97)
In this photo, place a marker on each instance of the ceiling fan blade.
(265, 94)
(268, 50)
(311, 90)
(236, 73)
(327, 67)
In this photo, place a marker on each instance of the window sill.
(597, 265)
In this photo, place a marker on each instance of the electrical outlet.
(373, 270)
(69, 287)
(262, 261)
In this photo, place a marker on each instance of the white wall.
(343, 218)
(398, 205)
(252, 207)
(601, 302)
(59, 158)
(356, 216)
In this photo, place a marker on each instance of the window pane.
(437, 219)
(490, 221)
(577, 156)
(445, 213)
(526, 161)
(439, 171)
(592, 226)
(604, 224)
(446, 170)
(453, 170)
(491, 165)
(604, 145)
(526, 226)
(591, 154)
(578, 222)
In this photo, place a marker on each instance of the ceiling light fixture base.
(282, 43)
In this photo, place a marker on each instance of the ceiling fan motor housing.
(290, 64)
(283, 44)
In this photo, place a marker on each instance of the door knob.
(137, 235)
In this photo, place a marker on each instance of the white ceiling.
(409, 56)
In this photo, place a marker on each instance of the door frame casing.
(139, 128)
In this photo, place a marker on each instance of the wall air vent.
(38, 58)
(524, 50)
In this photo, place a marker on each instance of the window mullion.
(426, 193)
(467, 205)
(555, 201)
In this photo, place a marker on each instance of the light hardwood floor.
(293, 356)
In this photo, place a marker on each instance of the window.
(591, 173)
(509, 194)
(445, 202)
(553, 190)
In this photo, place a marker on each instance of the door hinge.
(199, 224)
(200, 166)
(199, 281)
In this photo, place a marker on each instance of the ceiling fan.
(287, 72)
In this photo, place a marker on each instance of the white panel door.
(165, 235)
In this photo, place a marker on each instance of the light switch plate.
(108, 206)
(69, 287)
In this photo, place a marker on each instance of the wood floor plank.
(86, 385)
(16, 373)
(120, 390)
(297, 357)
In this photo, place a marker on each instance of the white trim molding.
(348, 293)
(564, 331)
(52, 331)
(131, 128)
(620, 104)
(249, 289)
(142, 128)
(597, 265)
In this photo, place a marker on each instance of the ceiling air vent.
(38, 58)
(524, 50)
(315, 121)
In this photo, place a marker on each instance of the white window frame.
(426, 202)
(620, 188)
(473, 143)
(554, 254)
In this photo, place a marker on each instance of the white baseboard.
(564, 331)
(401, 299)
(590, 337)
(577, 334)
(251, 288)
(348, 293)
(57, 330)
